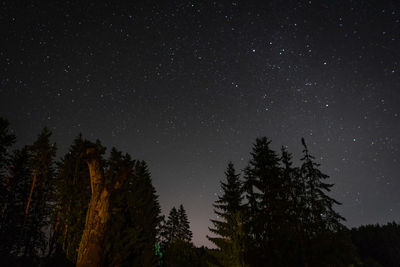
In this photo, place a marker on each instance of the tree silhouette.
(184, 232)
(229, 229)
(71, 198)
(38, 208)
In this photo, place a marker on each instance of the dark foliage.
(378, 244)
(71, 197)
(279, 215)
(229, 228)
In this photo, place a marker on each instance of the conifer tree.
(172, 225)
(37, 208)
(146, 212)
(229, 230)
(71, 197)
(290, 236)
(328, 241)
(264, 213)
(177, 226)
(184, 232)
(7, 139)
(320, 213)
(135, 217)
(178, 248)
(17, 189)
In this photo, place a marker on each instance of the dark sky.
(189, 85)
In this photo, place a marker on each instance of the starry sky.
(189, 85)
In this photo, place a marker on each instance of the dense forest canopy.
(86, 209)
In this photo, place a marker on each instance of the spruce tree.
(71, 197)
(148, 217)
(290, 236)
(178, 250)
(177, 226)
(264, 213)
(184, 232)
(327, 239)
(229, 229)
(135, 217)
(320, 213)
(172, 225)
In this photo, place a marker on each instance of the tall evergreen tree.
(177, 226)
(264, 192)
(229, 230)
(172, 226)
(184, 232)
(135, 217)
(146, 210)
(178, 248)
(12, 216)
(290, 236)
(7, 139)
(327, 240)
(321, 214)
(37, 208)
(71, 197)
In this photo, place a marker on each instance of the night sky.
(189, 85)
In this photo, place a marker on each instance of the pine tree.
(184, 232)
(17, 189)
(229, 229)
(71, 198)
(178, 248)
(328, 240)
(177, 226)
(264, 193)
(320, 213)
(7, 139)
(172, 226)
(37, 208)
(290, 236)
(134, 213)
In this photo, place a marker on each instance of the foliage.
(71, 197)
(38, 206)
(229, 230)
(378, 244)
(17, 184)
(279, 215)
(135, 218)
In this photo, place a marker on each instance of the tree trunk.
(28, 204)
(91, 247)
(30, 194)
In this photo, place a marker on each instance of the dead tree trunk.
(91, 247)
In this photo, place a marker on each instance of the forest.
(91, 207)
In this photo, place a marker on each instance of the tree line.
(86, 209)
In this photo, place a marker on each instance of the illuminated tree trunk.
(91, 247)
(28, 204)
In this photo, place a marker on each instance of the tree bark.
(91, 247)
(28, 205)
